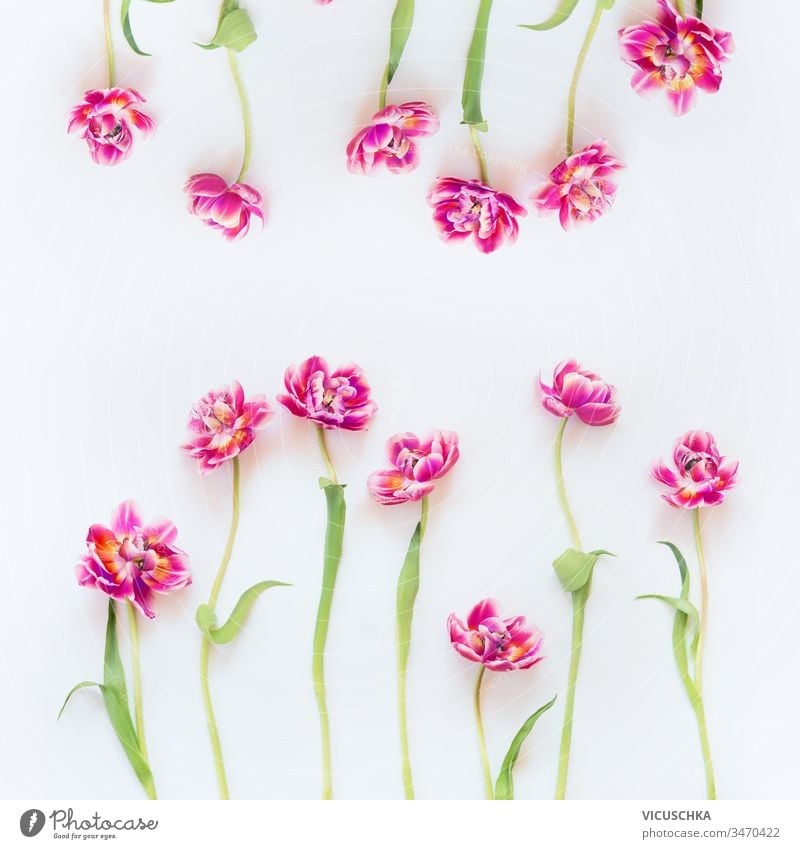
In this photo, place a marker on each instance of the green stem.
(579, 599)
(697, 705)
(334, 537)
(326, 457)
(701, 625)
(205, 648)
(562, 489)
(487, 769)
(138, 708)
(384, 89)
(698, 9)
(476, 143)
(407, 587)
(109, 42)
(679, 8)
(247, 121)
(573, 87)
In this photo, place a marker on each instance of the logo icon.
(31, 822)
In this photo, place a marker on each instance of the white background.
(120, 310)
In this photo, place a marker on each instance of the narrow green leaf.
(561, 14)
(207, 620)
(407, 588)
(473, 76)
(681, 604)
(402, 21)
(574, 568)
(126, 28)
(235, 31)
(115, 697)
(504, 787)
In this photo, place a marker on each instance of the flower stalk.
(485, 765)
(247, 121)
(109, 43)
(601, 6)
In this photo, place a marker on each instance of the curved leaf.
(681, 604)
(473, 76)
(561, 14)
(402, 21)
(235, 31)
(574, 568)
(126, 25)
(115, 697)
(207, 620)
(504, 787)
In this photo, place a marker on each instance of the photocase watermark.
(65, 825)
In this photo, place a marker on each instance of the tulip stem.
(562, 489)
(679, 8)
(326, 457)
(109, 42)
(136, 674)
(579, 599)
(698, 9)
(205, 648)
(476, 143)
(247, 120)
(407, 588)
(487, 769)
(701, 625)
(383, 90)
(573, 86)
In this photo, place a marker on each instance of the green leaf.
(561, 14)
(126, 25)
(504, 787)
(574, 568)
(407, 588)
(473, 76)
(235, 30)
(206, 618)
(402, 21)
(115, 697)
(681, 604)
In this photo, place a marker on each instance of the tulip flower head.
(223, 424)
(106, 119)
(580, 187)
(223, 207)
(576, 391)
(132, 559)
(389, 138)
(464, 209)
(677, 54)
(332, 399)
(699, 476)
(499, 644)
(418, 462)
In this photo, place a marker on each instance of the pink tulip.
(331, 399)
(418, 462)
(388, 140)
(469, 208)
(580, 187)
(700, 475)
(223, 207)
(499, 644)
(576, 390)
(132, 559)
(105, 118)
(678, 54)
(223, 425)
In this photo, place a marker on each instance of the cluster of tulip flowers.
(132, 560)
(675, 53)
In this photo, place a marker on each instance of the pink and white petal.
(126, 519)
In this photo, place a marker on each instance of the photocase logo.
(31, 822)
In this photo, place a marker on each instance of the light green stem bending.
(579, 599)
(384, 89)
(679, 8)
(476, 143)
(487, 769)
(247, 121)
(326, 456)
(205, 648)
(109, 42)
(136, 674)
(407, 587)
(701, 625)
(573, 87)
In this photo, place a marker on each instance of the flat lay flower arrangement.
(674, 53)
(132, 560)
